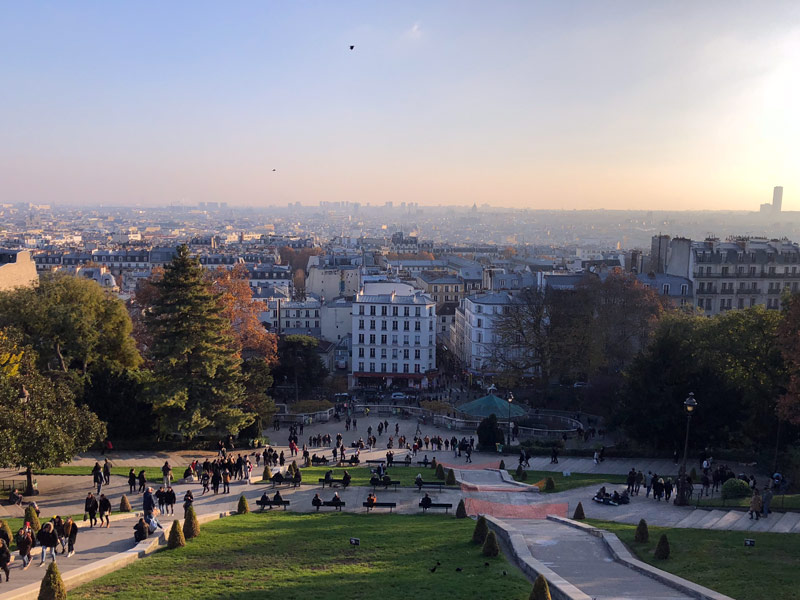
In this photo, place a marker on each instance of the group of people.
(56, 532)
(94, 505)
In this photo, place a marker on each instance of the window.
(436, 288)
(394, 311)
(741, 302)
(430, 354)
(383, 367)
(394, 367)
(406, 326)
(416, 340)
(307, 324)
(288, 324)
(383, 326)
(360, 338)
(361, 366)
(383, 311)
(372, 338)
(383, 339)
(416, 354)
(360, 353)
(361, 323)
(684, 289)
(383, 352)
(665, 289)
(416, 369)
(394, 339)
(394, 355)
(479, 308)
(724, 270)
(405, 354)
(752, 270)
(417, 326)
(480, 322)
(406, 311)
(372, 311)
(417, 312)
(372, 352)
(405, 340)
(394, 325)
(372, 367)
(372, 324)
(405, 367)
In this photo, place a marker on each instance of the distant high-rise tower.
(777, 198)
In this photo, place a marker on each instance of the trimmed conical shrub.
(191, 528)
(490, 545)
(52, 587)
(461, 510)
(502, 464)
(175, 539)
(451, 477)
(579, 515)
(642, 534)
(124, 504)
(481, 530)
(541, 591)
(440, 472)
(32, 518)
(662, 550)
(434, 464)
(267, 475)
(4, 526)
(293, 468)
(243, 508)
(549, 485)
(519, 472)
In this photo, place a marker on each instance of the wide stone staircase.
(738, 520)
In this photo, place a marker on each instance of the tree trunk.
(61, 358)
(29, 491)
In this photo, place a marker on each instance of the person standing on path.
(106, 472)
(90, 508)
(166, 471)
(169, 500)
(97, 476)
(71, 533)
(48, 540)
(5, 557)
(142, 481)
(105, 510)
(25, 544)
(148, 503)
(132, 481)
(756, 505)
(766, 500)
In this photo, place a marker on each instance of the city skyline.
(526, 105)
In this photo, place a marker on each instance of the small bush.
(481, 530)
(490, 545)
(176, 539)
(662, 550)
(191, 528)
(243, 508)
(642, 534)
(267, 474)
(4, 526)
(451, 477)
(434, 464)
(502, 464)
(440, 472)
(124, 504)
(461, 510)
(52, 587)
(541, 591)
(32, 518)
(735, 488)
(579, 515)
(549, 485)
(519, 472)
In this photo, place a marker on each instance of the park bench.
(443, 505)
(337, 505)
(385, 484)
(389, 505)
(319, 461)
(264, 504)
(430, 484)
(424, 464)
(375, 461)
(330, 482)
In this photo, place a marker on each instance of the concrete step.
(692, 519)
(786, 523)
(711, 517)
(727, 520)
(745, 523)
(764, 524)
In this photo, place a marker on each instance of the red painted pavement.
(514, 511)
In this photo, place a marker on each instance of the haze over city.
(519, 104)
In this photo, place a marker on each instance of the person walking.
(132, 481)
(25, 545)
(97, 476)
(148, 503)
(166, 471)
(71, 533)
(5, 557)
(142, 481)
(188, 500)
(90, 508)
(48, 540)
(104, 506)
(106, 472)
(58, 526)
(226, 482)
(169, 500)
(756, 505)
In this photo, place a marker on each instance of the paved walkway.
(584, 561)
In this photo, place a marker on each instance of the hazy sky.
(676, 105)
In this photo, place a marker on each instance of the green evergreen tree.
(243, 508)
(502, 464)
(461, 510)
(197, 370)
(579, 515)
(52, 587)
(124, 504)
(191, 528)
(451, 477)
(440, 472)
(541, 591)
(490, 545)
(176, 539)
(549, 484)
(662, 550)
(32, 518)
(4, 526)
(642, 534)
(434, 464)
(481, 530)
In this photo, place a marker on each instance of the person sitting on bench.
(408, 459)
(386, 480)
(277, 497)
(336, 499)
(277, 478)
(15, 497)
(316, 501)
(346, 479)
(371, 500)
(328, 476)
(426, 501)
(264, 500)
(425, 461)
(374, 480)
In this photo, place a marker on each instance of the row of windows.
(297, 324)
(395, 353)
(751, 257)
(446, 288)
(727, 303)
(727, 288)
(384, 368)
(385, 338)
(726, 271)
(395, 325)
(395, 311)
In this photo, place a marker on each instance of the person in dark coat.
(97, 476)
(132, 481)
(169, 500)
(142, 481)
(90, 508)
(106, 472)
(5, 557)
(148, 503)
(160, 497)
(140, 531)
(316, 501)
(58, 526)
(105, 510)
(48, 540)
(71, 533)
(25, 545)
(188, 500)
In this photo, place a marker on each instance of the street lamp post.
(510, 400)
(682, 499)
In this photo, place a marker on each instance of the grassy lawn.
(720, 561)
(790, 501)
(297, 557)
(153, 474)
(575, 480)
(361, 475)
